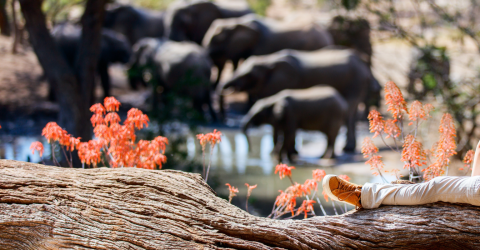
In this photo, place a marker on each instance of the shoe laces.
(349, 189)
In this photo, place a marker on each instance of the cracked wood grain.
(45, 207)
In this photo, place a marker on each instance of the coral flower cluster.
(233, 192)
(115, 142)
(412, 153)
(283, 170)
(369, 150)
(212, 138)
(286, 201)
(468, 159)
(443, 149)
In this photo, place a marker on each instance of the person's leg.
(447, 189)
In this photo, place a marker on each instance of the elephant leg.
(276, 135)
(351, 135)
(332, 134)
(289, 131)
(220, 67)
(221, 103)
(208, 99)
(104, 78)
(289, 144)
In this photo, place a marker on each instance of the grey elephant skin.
(114, 48)
(239, 38)
(190, 20)
(319, 108)
(355, 33)
(183, 67)
(343, 69)
(134, 23)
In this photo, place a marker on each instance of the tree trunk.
(73, 87)
(4, 23)
(45, 207)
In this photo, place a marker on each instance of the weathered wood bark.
(44, 207)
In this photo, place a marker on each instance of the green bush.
(259, 6)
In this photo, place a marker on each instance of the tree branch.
(45, 207)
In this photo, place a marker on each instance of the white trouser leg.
(447, 189)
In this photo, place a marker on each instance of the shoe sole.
(326, 187)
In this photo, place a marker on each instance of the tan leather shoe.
(339, 189)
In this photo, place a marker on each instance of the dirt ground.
(20, 87)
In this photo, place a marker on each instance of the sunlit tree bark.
(45, 207)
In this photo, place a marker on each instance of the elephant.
(134, 23)
(355, 33)
(319, 108)
(239, 38)
(343, 69)
(190, 19)
(114, 48)
(181, 67)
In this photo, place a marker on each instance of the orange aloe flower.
(391, 129)
(377, 124)
(212, 138)
(394, 100)
(52, 132)
(325, 196)
(306, 207)
(375, 162)
(111, 104)
(428, 108)
(90, 152)
(345, 177)
(136, 118)
(97, 119)
(368, 148)
(97, 109)
(297, 190)
(282, 198)
(283, 170)
(416, 111)
(203, 141)
(250, 189)
(468, 158)
(112, 118)
(413, 153)
(292, 202)
(309, 185)
(444, 148)
(37, 146)
(233, 192)
(318, 174)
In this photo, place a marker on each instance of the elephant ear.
(283, 74)
(244, 38)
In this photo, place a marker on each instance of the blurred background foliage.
(153, 4)
(259, 6)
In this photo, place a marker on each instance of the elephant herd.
(295, 78)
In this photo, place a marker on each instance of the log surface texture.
(45, 207)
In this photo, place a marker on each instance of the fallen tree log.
(45, 207)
